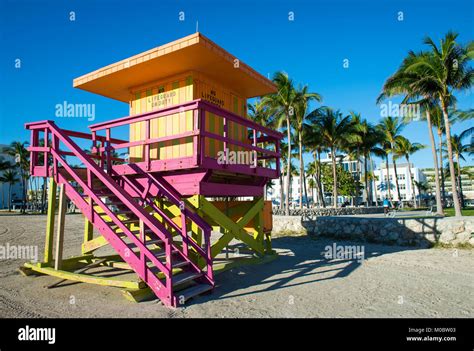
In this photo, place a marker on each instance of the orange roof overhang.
(192, 53)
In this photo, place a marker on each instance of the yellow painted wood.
(225, 222)
(88, 235)
(94, 244)
(60, 234)
(87, 278)
(48, 247)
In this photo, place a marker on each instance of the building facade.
(467, 183)
(386, 178)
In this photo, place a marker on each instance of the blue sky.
(54, 50)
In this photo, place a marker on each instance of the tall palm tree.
(302, 117)
(282, 104)
(446, 70)
(438, 123)
(409, 82)
(459, 149)
(19, 151)
(391, 128)
(314, 141)
(404, 148)
(371, 139)
(337, 132)
(9, 177)
(261, 114)
(355, 149)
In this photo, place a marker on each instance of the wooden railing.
(260, 140)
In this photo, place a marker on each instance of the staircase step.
(180, 264)
(193, 291)
(149, 242)
(128, 221)
(162, 253)
(119, 213)
(186, 277)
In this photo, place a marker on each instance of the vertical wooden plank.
(88, 232)
(60, 235)
(48, 246)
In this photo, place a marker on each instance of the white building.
(274, 191)
(356, 168)
(384, 179)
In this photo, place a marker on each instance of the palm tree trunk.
(288, 167)
(388, 178)
(396, 179)
(334, 181)
(9, 197)
(320, 183)
(282, 194)
(366, 182)
(300, 142)
(461, 195)
(373, 183)
(457, 205)
(439, 204)
(443, 186)
(305, 190)
(412, 183)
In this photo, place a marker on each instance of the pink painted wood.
(162, 289)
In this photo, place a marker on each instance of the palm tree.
(371, 139)
(312, 138)
(10, 178)
(446, 70)
(404, 148)
(19, 151)
(261, 114)
(282, 105)
(312, 185)
(302, 117)
(337, 131)
(409, 82)
(391, 127)
(422, 188)
(458, 149)
(355, 149)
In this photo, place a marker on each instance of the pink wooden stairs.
(166, 263)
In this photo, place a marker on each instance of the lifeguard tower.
(183, 179)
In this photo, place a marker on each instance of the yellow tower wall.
(178, 90)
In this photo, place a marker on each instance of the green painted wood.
(87, 278)
(58, 257)
(88, 235)
(235, 229)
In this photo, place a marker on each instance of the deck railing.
(263, 142)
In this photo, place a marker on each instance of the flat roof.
(192, 53)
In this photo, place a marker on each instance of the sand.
(391, 282)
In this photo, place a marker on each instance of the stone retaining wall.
(422, 232)
(317, 212)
